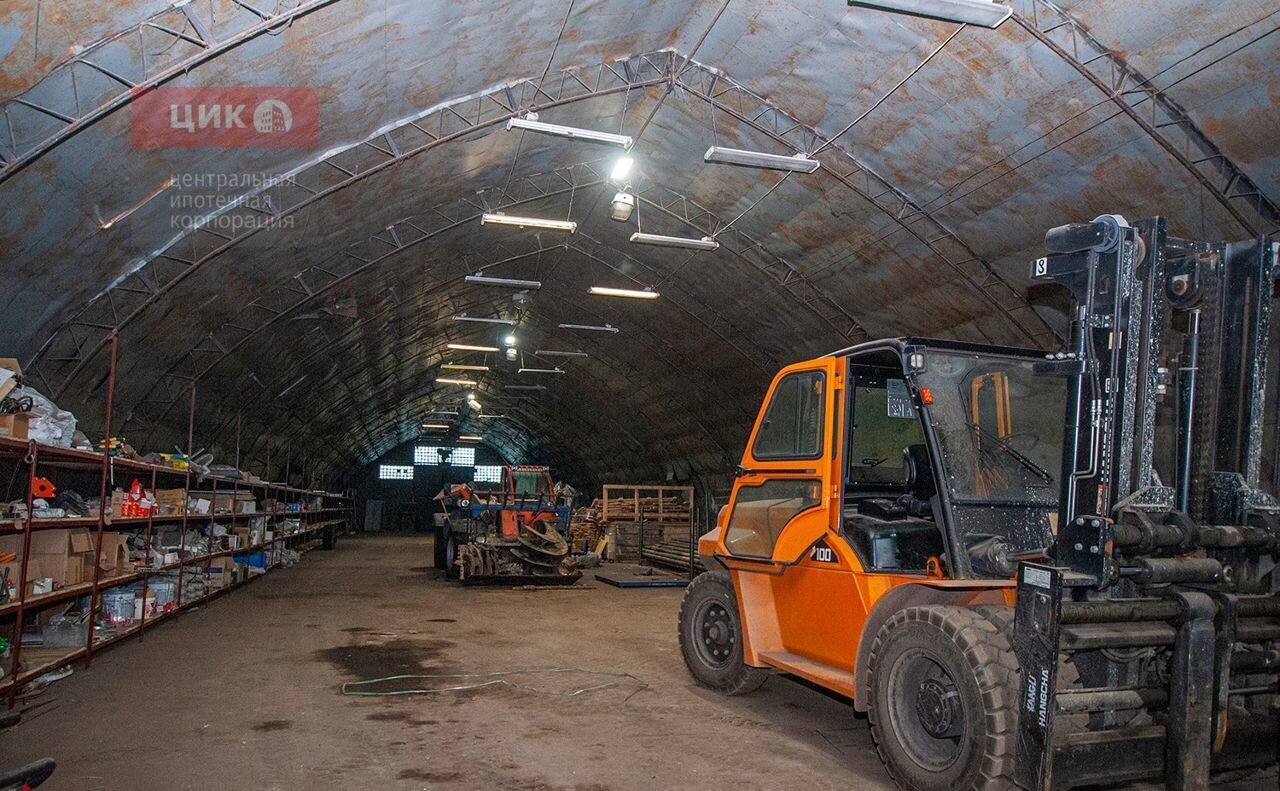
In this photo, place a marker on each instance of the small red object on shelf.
(138, 502)
(43, 488)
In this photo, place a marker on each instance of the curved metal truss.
(80, 91)
(1158, 115)
(63, 357)
(75, 344)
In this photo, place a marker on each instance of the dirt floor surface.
(247, 694)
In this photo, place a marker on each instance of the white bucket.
(166, 590)
(117, 607)
(150, 605)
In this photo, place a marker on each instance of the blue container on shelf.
(257, 560)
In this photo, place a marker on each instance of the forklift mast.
(1165, 534)
(1135, 289)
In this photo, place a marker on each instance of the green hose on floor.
(493, 679)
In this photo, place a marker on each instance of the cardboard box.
(34, 574)
(63, 554)
(171, 501)
(234, 502)
(9, 371)
(244, 537)
(16, 426)
(114, 560)
(221, 573)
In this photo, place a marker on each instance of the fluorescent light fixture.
(469, 438)
(458, 367)
(467, 347)
(758, 159)
(448, 381)
(605, 291)
(550, 353)
(453, 412)
(970, 12)
(435, 425)
(528, 222)
(503, 281)
(621, 169)
(524, 387)
(532, 124)
(589, 327)
(481, 320)
(491, 417)
(705, 243)
(541, 371)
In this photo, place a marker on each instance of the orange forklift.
(1030, 570)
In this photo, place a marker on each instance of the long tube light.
(469, 438)
(503, 281)
(467, 347)
(448, 381)
(435, 425)
(590, 327)
(453, 412)
(491, 218)
(970, 12)
(524, 387)
(798, 163)
(492, 417)
(460, 367)
(532, 124)
(550, 353)
(631, 293)
(482, 320)
(541, 371)
(705, 243)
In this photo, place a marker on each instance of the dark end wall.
(408, 505)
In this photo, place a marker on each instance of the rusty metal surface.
(324, 335)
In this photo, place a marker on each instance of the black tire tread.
(989, 654)
(745, 678)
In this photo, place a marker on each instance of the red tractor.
(514, 533)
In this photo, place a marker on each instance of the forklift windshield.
(999, 427)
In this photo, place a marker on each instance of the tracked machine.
(513, 533)
(1039, 570)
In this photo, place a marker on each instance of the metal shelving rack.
(334, 510)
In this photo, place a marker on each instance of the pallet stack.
(585, 529)
(641, 521)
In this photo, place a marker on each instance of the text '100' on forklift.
(1045, 571)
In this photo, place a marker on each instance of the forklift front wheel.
(943, 700)
(711, 636)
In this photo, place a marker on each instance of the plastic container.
(65, 631)
(166, 590)
(117, 606)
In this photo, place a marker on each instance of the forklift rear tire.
(944, 687)
(711, 636)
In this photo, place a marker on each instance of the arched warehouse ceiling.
(308, 292)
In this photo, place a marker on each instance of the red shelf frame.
(35, 456)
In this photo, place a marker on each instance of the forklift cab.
(924, 457)
(954, 453)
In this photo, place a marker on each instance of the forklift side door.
(780, 519)
(781, 499)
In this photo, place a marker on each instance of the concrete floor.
(246, 694)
